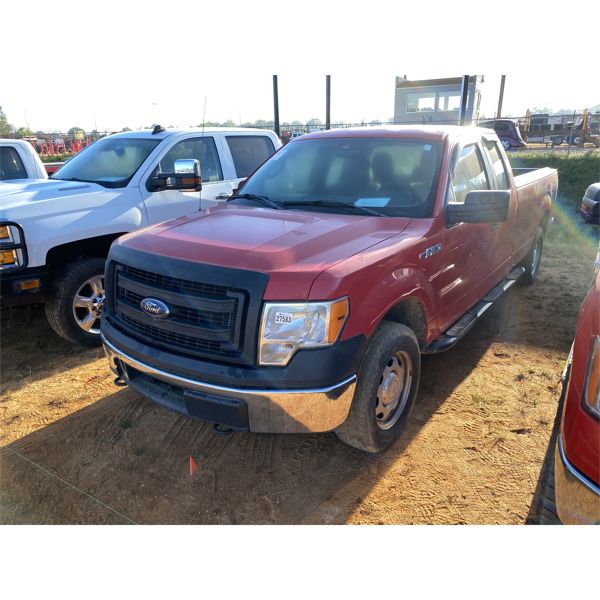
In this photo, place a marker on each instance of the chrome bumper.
(577, 498)
(269, 411)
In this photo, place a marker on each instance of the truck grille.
(204, 319)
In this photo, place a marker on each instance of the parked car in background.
(572, 484)
(305, 302)
(56, 232)
(508, 132)
(19, 160)
(590, 204)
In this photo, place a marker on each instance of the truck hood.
(35, 197)
(291, 246)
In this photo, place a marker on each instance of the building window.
(420, 102)
(448, 101)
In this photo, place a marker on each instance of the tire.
(83, 278)
(373, 425)
(532, 261)
(506, 144)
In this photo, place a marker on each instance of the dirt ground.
(77, 449)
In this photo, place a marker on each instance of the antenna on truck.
(158, 129)
(204, 116)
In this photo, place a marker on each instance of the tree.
(6, 128)
(229, 123)
(126, 129)
(23, 132)
(74, 130)
(315, 122)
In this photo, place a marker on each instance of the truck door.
(469, 248)
(169, 204)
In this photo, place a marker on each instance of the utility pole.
(501, 97)
(276, 104)
(464, 95)
(327, 101)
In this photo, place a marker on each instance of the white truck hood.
(53, 212)
(23, 197)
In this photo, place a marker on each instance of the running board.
(464, 324)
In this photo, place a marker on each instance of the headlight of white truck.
(11, 247)
(288, 326)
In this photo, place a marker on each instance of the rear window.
(249, 151)
(497, 165)
(11, 165)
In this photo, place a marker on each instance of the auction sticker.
(282, 317)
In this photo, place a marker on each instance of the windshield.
(391, 176)
(110, 162)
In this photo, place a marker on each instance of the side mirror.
(239, 186)
(483, 206)
(186, 177)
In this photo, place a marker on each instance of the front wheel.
(75, 299)
(388, 381)
(532, 261)
(506, 144)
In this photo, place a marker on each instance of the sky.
(113, 64)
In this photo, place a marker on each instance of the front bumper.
(12, 295)
(577, 497)
(258, 410)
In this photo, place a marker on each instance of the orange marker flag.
(193, 466)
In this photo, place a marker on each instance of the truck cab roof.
(432, 132)
(167, 133)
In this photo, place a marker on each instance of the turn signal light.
(337, 318)
(8, 257)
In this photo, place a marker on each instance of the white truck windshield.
(110, 162)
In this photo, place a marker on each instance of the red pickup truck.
(305, 302)
(572, 484)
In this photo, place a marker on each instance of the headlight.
(287, 327)
(591, 389)
(12, 247)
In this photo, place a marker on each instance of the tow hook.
(222, 429)
(120, 382)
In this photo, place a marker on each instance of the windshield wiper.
(334, 204)
(264, 200)
(70, 179)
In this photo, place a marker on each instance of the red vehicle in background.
(572, 491)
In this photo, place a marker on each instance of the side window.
(249, 151)
(11, 165)
(498, 166)
(469, 174)
(202, 149)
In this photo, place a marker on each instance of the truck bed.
(525, 177)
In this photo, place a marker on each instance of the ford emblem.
(155, 308)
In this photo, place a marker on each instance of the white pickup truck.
(55, 233)
(19, 160)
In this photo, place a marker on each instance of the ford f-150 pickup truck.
(55, 233)
(19, 160)
(305, 302)
(571, 492)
